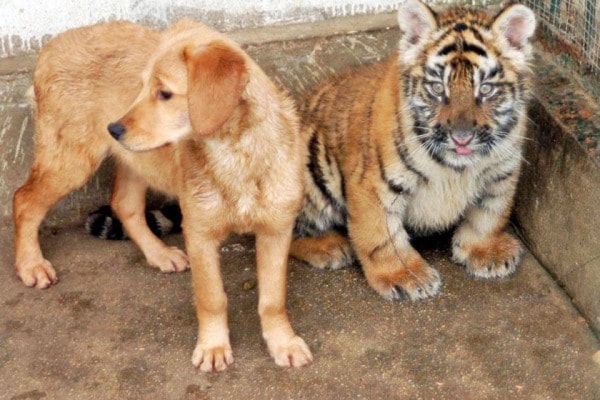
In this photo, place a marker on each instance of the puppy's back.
(92, 73)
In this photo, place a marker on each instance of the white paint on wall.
(25, 24)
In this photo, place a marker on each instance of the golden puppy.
(191, 115)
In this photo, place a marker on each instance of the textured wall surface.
(26, 24)
(30, 21)
(559, 192)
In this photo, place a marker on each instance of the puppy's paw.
(292, 352)
(37, 274)
(212, 358)
(169, 259)
(497, 257)
(414, 280)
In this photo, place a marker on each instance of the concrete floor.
(114, 328)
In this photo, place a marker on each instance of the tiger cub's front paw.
(496, 257)
(414, 280)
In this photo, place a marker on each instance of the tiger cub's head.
(465, 79)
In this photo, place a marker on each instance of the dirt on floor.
(114, 328)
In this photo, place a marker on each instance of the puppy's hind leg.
(58, 169)
(129, 202)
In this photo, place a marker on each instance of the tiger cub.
(429, 139)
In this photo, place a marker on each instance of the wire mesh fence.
(577, 24)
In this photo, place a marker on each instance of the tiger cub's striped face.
(465, 79)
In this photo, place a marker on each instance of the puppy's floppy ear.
(217, 76)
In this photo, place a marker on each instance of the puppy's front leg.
(284, 345)
(129, 202)
(213, 350)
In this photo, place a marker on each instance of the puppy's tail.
(104, 224)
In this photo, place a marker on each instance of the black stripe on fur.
(395, 187)
(403, 154)
(103, 224)
(317, 173)
(475, 49)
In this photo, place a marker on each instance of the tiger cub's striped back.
(429, 139)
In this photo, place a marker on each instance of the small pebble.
(596, 357)
(235, 247)
(249, 284)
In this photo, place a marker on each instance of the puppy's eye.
(164, 95)
(437, 88)
(486, 89)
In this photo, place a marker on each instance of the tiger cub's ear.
(416, 20)
(516, 23)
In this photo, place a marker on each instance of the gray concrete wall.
(558, 211)
(558, 201)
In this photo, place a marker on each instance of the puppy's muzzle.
(116, 130)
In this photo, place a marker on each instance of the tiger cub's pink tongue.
(463, 150)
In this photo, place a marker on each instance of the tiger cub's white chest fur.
(440, 202)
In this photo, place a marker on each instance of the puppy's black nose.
(116, 129)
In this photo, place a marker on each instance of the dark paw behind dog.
(104, 224)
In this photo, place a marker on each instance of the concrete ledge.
(25, 63)
(305, 31)
(559, 193)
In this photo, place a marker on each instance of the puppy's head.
(189, 88)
